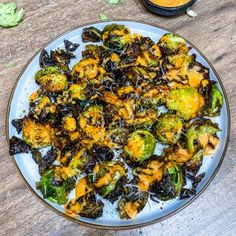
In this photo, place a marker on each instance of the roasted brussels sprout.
(132, 202)
(214, 101)
(186, 101)
(168, 128)
(78, 91)
(51, 79)
(140, 146)
(171, 184)
(149, 173)
(108, 179)
(144, 119)
(116, 36)
(202, 134)
(89, 70)
(172, 43)
(91, 34)
(85, 206)
(52, 190)
(17, 145)
(35, 134)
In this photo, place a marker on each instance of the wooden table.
(213, 31)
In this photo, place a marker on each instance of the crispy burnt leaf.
(18, 124)
(17, 145)
(69, 46)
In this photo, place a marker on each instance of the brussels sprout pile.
(104, 117)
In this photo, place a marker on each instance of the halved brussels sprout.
(85, 206)
(91, 34)
(168, 128)
(51, 79)
(116, 36)
(186, 101)
(140, 146)
(171, 184)
(108, 179)
(78, 91)
(53, 190)
(202, 135)
(177, 153)
(214, 101)
(35, 134)
(172, 43)
(89, 70)
(41, 107)
(132, 202)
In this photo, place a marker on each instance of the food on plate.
(170, 3)
(94, 127)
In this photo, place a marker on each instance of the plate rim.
(121, 227)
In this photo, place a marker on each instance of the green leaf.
(103, 17)
(10, 65)
(113, 2)
(9, 15)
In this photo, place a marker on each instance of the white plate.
(152, 212)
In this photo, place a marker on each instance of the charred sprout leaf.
(10, 16)
(47, 161)
(17, 145)
(85, 206)
(171, 184)
(132, 202)
(185, 101)
(62, 59)
(102, 153)
(18, 123)
(108, 179)
(37, 156)
(91, 34)
(168, 128)
(140, 146)
(45, 59)
(69, 46)
(53, 193)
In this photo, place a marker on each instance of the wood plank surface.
(213, 31)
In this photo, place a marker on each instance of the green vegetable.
(103, 17)
(140, 146)
(186, 101)
(113, 2)
(9, 15)
(10, 65)
(168, 128)
(51, 192)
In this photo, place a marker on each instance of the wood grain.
(213, 31)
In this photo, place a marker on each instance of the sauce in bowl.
(169, 3)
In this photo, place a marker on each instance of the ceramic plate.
(152, 212)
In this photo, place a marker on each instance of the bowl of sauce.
(168, 7)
